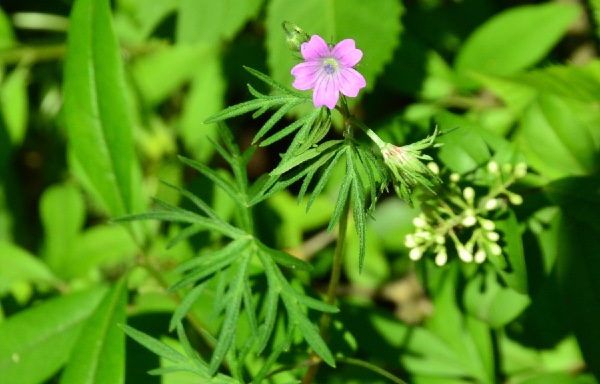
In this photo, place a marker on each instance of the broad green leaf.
(465, 149)
(213, 21)
(62, 211)
(577, 269)
(38, 341)
(516, 38)
(95, 107)
(14, 102)
(205, 98)
(575, 82)
(161, 73)
(17, 265)
(554, 140)
(101, 246)
(492, 303)
(99, 354)
(375, 28)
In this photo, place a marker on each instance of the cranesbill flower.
(329, 71)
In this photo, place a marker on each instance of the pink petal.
(315, 49)
(350, 81)
(326, 93)
(346, 53)
(306, 74)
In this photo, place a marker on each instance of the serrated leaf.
(290, 163)
(219, 180)
(228, 329)
(100, 356)
(38, 341)
(554, 141)
(212, 21)
(156, 346)
(516, 38)
(95, 107)
(185, 305)
(374, 28)
(284, 258)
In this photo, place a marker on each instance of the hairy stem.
(334, 282)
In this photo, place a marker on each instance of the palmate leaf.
(283, 98)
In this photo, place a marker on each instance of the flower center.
(329, 66)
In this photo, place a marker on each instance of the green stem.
(372, 367)
(376, 139)
(334, 281)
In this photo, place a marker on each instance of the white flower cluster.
(460, 219)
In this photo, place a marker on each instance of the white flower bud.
(433, 167)
(415, 253)
(454, 177)
(493, 236)
(464, 255)
(441, 258)
(495, 249)
(439, 239)
(491, 204)
(493, 167)
(469, 194)
(409, 241)
(419, 222)
(469, 220)
(515, 199)
(520, 170)
(486, 224)
(480, 256)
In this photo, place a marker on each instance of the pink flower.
(329, 71)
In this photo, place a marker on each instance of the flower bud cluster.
(458, 222)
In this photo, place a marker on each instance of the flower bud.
(464, 255)
(493, 236)
(507, 168)
(491, 204)
(469, 195)
(469, 220)
(419, 222)
(486, 224)
(454, 177)
(433, 167)
(515, 199)
(439, 239)
(493, 167)
(495, 249)
(480, 256)
(441, 258)
(409, 241)
(520, 170)
(415, 253)
(295, 37)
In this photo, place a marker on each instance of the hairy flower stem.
(334, 281)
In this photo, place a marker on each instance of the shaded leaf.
(100, 356)
(38, 341)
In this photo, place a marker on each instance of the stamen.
(328, 68)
